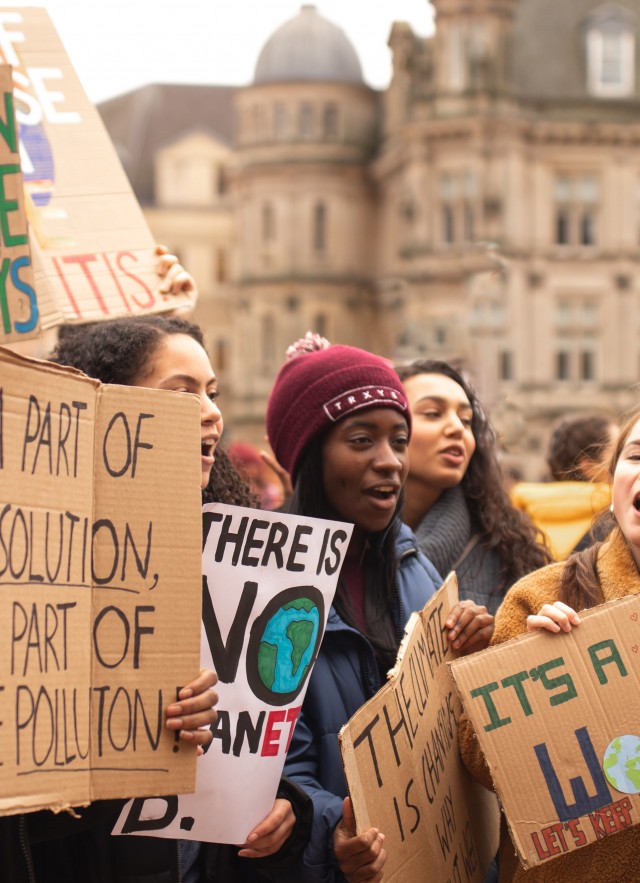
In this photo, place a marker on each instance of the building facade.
(484, 208)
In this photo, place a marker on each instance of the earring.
(611, 508)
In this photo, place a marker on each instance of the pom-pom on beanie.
(319, 385)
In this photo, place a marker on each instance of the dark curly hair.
(575, 440)
(118, 351)
(580, 584)
(500, 525)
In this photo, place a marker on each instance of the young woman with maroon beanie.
(338, 422)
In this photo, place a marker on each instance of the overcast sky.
(117, 45)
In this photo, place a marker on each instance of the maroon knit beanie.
(317, 387)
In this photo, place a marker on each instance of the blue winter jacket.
(344, 677)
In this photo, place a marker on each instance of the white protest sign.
(268, 584)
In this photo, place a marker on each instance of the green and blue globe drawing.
(286, 648)
(284, 644)
(621, 764)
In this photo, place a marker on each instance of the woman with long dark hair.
(456, 500)
(339, 423)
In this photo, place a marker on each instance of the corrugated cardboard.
(100, 585)
(19, 316)
(547, 710)
(91, 248)
(405, 776)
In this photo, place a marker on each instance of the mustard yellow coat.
(562, 510)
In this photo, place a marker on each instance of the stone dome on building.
(308, 47)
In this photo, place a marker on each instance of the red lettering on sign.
(272, 733)
(104, 286)
(611, 819)
(554, 841)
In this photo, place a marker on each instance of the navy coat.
(344, 677)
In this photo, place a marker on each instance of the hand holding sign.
(96, 645)
(175, 279)
(402, 763)
(269, 579)
(194, 710)
(554, 617)
(470, 627)
(552, 716)
(272, 833)
(360, 856)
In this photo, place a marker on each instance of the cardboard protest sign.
(269, 580)
(18, 304)
(91, 248)
(405, 776)
(99, 585)
(558, 718)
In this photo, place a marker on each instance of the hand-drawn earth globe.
(284, 643)
(622, 764)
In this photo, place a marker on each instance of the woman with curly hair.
(456, 502)
(121, 352)
(157, 352)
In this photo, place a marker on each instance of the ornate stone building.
(485, 207)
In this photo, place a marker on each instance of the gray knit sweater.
(443, 535)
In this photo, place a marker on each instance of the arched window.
(305, 121)
(320, 227)
(331, 121)
(221, 265)
(563, 365)
(577, 338)
(505, 365)
(261, 128)
(268, 223)
(268, 342)
(220, 180)
(458, 202)
(448, 225)
(468, 223)
(280, 121)
(320, 324)
(456, 62)
(576, 209)
(610, 49)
